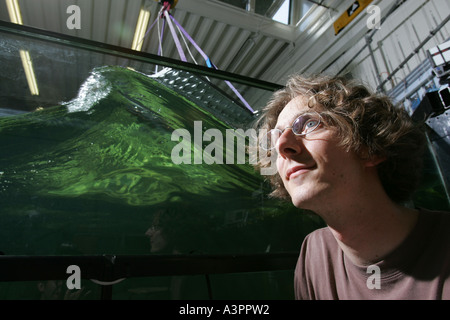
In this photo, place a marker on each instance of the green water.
(91, 176)
(94, 175)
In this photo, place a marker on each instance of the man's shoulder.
(319, 235)
(320, 239)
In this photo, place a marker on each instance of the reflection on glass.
(86, 168)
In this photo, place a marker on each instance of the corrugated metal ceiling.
(235, 40)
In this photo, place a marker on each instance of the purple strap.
(208, 62)
(181, 52)
(190, 39)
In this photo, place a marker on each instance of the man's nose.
(149, 232)
(289, 144)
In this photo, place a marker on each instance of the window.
(282, 14)
(284, 11)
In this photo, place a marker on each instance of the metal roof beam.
(237, 17)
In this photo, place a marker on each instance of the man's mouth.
(297, 170)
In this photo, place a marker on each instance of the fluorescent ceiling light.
(29, 72)
(14, 11)
(141, 27)
(16, 17)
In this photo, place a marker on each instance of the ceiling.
(236, 40)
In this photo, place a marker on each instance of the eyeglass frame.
(320, 120)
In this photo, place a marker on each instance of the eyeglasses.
(302, 126)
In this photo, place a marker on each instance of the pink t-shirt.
(418, 269)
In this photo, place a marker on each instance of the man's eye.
(311, 124)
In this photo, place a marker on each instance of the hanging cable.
(166, 16)
(175, 37)
(210, 64)
(160, 38)
(186, 44)
(207, 60)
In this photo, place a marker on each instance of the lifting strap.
(169, 18)
(207, 60)
(175, 37)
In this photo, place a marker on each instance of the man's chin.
(303, 200)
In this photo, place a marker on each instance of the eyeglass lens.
(302, 126)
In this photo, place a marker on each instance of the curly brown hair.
(367, 123)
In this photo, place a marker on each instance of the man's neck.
(369, 233)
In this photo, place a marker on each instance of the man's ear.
(373, 161)
(370, 160)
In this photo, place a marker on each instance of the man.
(354, 159)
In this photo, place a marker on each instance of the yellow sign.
(350, 14)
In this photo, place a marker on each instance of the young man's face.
(315, 170)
